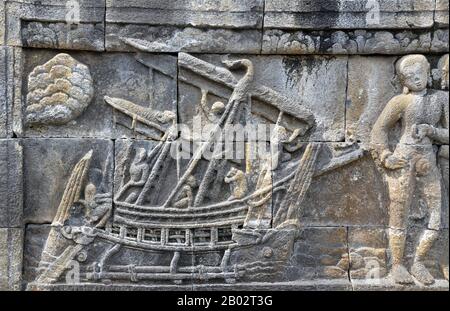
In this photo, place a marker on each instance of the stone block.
(56, 24)
(360, 14)
(34, 243)
(441, 15)
(6, 90)
(11, 207)
(368, 253)
(346, 201)
(230, 26)
(11, 250)
(320, 253)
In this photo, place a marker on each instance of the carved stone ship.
(164, 220)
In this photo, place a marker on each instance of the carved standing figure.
(411, 166)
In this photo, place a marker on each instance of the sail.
(73, 189)
(298, 187)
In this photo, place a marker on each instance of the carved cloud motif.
(58, 91)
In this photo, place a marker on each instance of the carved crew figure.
(411, 168)
(139, 172)
(213, 114)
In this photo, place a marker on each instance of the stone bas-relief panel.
(56, 24)
(333, 174)
(230, 26)
(76, 95)
(175, 216)
(191, 220)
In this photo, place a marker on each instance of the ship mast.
(239, 94)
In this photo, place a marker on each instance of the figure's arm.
(145, 174)
(229, 179)
(441, 134)
(287, 144)
(437, 134)
(294, 135)
(379, 139)
(204, 102)
(190, 197)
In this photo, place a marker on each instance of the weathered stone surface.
(368, 253)
(346, 201)
(56, 24)
(320, 253)
(189, 25)
(132, 155)
(11, 207)
(372, 82)
(441, 15)
(307, 285)
(4, 103)
(359, 14)
(35, 237)
(47, 166)
(148, 81)
(11, 249)
(389, 285)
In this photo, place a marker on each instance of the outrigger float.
(132, 241)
